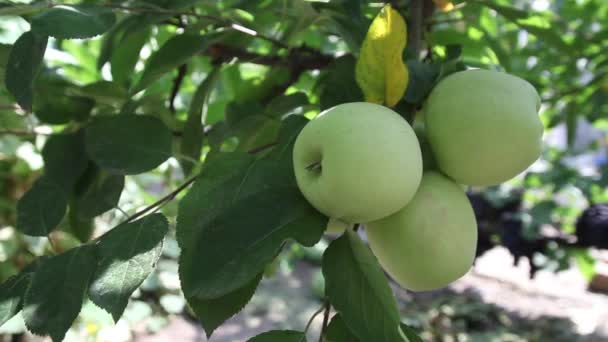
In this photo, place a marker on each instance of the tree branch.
(177, 83)
(21, 132)
(219, 20)
(416, 25)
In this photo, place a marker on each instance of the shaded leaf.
(339, 84)
(23, 65)
(175, 52)
(127, 255)
(286, 104)
(41, 208)
(12, 291)
(65, 159)
(128, 144)
(192, 138)
(410, 333)
(59, 284)
(337, 331)
(55, 107)
(351, 271)
(237, 190)
(422, 79)
(100, 193)
(380, 70)
(79, 21)
(280, 336)
(126, 54)
(213, 312)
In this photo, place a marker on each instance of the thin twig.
(311, 319)
(325, 319)
(21, 132)
(168, 197)
(222, 21)
(177, 83)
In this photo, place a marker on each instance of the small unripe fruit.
(431, 242)
(357, 162)
(483, 126)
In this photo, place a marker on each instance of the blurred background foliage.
(283, 57)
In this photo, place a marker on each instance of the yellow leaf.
(444, 5)
(380, 70)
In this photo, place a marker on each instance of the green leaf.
(337, 331)
(236, 190)
(126, 54)
(510, 12)
(410, 333)
(339, 85)
(128, 144)
(253, 129)
(127, 255)
(422, 80)
(80, 21)
(12, 291)
(351, 271)
(213, 312)
(99, 193)
(65, 159)
(280, 336)
(41, 208)
(59, 284)
(286, 104)
(56, 107)
(192, 138)
(23, 65)
(79, 227)
(175, 52)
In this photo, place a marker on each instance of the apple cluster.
(363, 163)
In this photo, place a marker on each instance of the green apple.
(432, 241)
(357, 162)
(483, 126)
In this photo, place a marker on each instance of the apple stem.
(316, 166)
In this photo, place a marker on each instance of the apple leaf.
(99, 193)
(337, 331)
(175, 52)
(410, 333)
(192, 138)
(23, 65)
(286, 104)
(213, 312)
(237, 190)
(423, 77)
(58, 286)
(128, 144)
(65, 159)
(127, 255)
(12, 291)
(351, 271)
(126, 54)
(41, 208)
(380, 70)
(80, 21)
(280, 336)
(338, 85)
